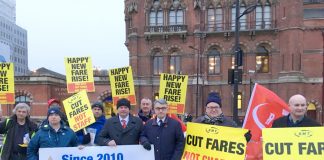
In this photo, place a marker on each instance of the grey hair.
(161, 101)
(145, 98)
(21, 106)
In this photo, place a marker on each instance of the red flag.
(264, 107)
(183, 126)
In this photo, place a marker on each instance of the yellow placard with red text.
(299, 143)
(211, 142)
(79, 74)
(7, 83)
(122, 84)
(173, 88)
(78, 111)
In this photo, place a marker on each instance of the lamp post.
(251, 73)
(197, 79)
(237, 50)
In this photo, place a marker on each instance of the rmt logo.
(304, 133)
(212, 130)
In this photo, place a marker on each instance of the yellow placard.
(7, 83)
(79, 74)
(300, 143)
(78, 111)
(211, 142)
(122, 84)
(173, 88)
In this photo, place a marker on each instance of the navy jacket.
(168, 139)
(47, 137)
(100, 122)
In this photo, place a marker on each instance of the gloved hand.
(86, 138)
(147, 146)
(248, 136)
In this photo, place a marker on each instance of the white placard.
(121, 152)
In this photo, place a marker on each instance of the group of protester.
(151, 126)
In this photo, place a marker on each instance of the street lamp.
(237, 50)
(197, 76)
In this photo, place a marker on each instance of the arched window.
(175, 16)
(215, 18)
(213, 62)
(262, 60)
(157, 64)
(243, 19)
(156, 17)
(263, 16)
(23, 99)
(175, 64)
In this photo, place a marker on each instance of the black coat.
(283, 122)
(113, 130)
(168, 140)
(9, 129)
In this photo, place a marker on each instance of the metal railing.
(252, 25)
(170, 28)
(313, 1)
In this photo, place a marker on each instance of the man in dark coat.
(123, 129)
(145, 112)
(214, 114)
(296, 117)
(18, 129)
(164, 133)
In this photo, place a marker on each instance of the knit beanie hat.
(214, 97)
(98, 105)
(54, 110)
(123, 102)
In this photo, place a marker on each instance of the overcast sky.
(70, 28)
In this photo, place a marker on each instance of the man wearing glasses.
(214, 114)
(164, 133)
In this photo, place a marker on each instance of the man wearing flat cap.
(123, 129)
(53, 133)
(213, 112)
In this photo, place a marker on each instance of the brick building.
(282, 41)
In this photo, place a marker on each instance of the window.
(23, 99)
(262, 60)
(213, 62)
(239, 100)
(233, 17)
(243, 23)
(175, 17)
(175, 64)
(215, 18)
(156, 18)
(157, 65)
(263, 16)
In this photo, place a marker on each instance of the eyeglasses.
(213, 108)
(162, 108)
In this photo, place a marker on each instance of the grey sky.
(69, 28)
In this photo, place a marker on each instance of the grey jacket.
(225, 121)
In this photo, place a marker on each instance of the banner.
(120, 152)
(300, 143)
(78, 111)
(264, 107)
(7, 83)
(173, 88)
(122, 84)
(211, 142)
(79, 74)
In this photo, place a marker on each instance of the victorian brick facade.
(282, 41)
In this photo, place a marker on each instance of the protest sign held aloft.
(79, 74)
(122, 85)
(78, 111)
(7, 83)
(173, 88)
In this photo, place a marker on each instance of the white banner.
(121, 152)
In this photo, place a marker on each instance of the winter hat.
(123, 102)
(54, 110)
(51, 101)
(97, 104)
(214, 97)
